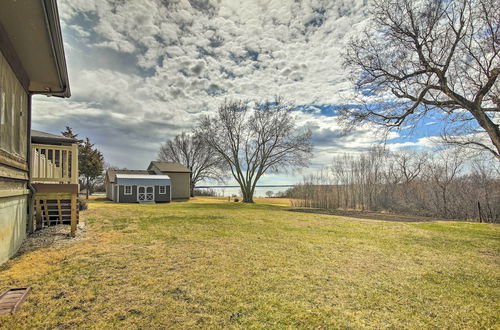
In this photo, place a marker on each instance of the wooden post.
(66, 166)
(59, 212)
(73, 214)
(38, 222)
(45, 213)
(74, 163)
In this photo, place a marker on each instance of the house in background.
(178, 173)
(135, 186)
(161, 182)
(32, 61)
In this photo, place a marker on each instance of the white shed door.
(145, 194)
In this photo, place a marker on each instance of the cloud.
(143, 71)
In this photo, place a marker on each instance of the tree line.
(445, 184)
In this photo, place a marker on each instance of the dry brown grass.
(211, 263)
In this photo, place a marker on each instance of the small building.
(179, 174)
(132, 186)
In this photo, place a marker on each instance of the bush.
(236, 200)
(205, 192)
(82, 204)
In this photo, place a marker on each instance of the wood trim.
(52, 146)
(12, 173)
(10, 55)
(43, 196)
(42, 188)
(13, 161)
(13, 193)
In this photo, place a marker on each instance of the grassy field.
(211, 263)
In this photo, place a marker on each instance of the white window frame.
(125, 190)
(164, 190)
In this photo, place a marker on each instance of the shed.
(178, 173)
(140, 188)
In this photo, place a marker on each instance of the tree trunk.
(87, 183)
(489, 126)
(247, 195)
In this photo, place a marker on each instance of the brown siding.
(180, 185)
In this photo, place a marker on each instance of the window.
(13, 110)
(128, 190)
(163, 190)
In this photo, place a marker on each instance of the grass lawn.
(211, 263)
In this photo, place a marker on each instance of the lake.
(260, 191)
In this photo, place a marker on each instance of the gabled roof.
(48, 138)
(111, 173)
(170, 167)
(31, 41)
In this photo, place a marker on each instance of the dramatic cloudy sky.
(142, 71)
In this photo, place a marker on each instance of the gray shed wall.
(127, 198)
(159, 198)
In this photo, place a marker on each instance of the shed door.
(145, 194)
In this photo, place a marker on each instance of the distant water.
(260, 191)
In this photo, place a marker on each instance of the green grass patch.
(209, 263)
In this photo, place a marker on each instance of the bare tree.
(431, 56)
(443, 170)
(447, 183)
(192, 151)
(410, 163)
(255, 141)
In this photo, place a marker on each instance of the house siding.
(180, 185)
(127, 198)
(109, 191)
(14, 109)
(162, 198)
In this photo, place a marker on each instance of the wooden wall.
(14, 169)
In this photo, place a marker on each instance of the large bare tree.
(191, 151)
(253, 141)
(431, 57)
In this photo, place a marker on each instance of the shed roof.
(48, 138)
(170, 167)
(111, 173)
(142, 176)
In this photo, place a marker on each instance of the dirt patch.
(51, 236)
(370, 215)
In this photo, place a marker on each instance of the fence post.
(479, 211)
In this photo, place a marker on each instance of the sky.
(143, 71)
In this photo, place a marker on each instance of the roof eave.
(55, 34)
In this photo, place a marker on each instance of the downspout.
(31, 197)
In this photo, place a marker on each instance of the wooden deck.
(54, 176)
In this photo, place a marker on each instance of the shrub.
(236, 200)
(82, 204)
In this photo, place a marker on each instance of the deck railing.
(54, 164)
